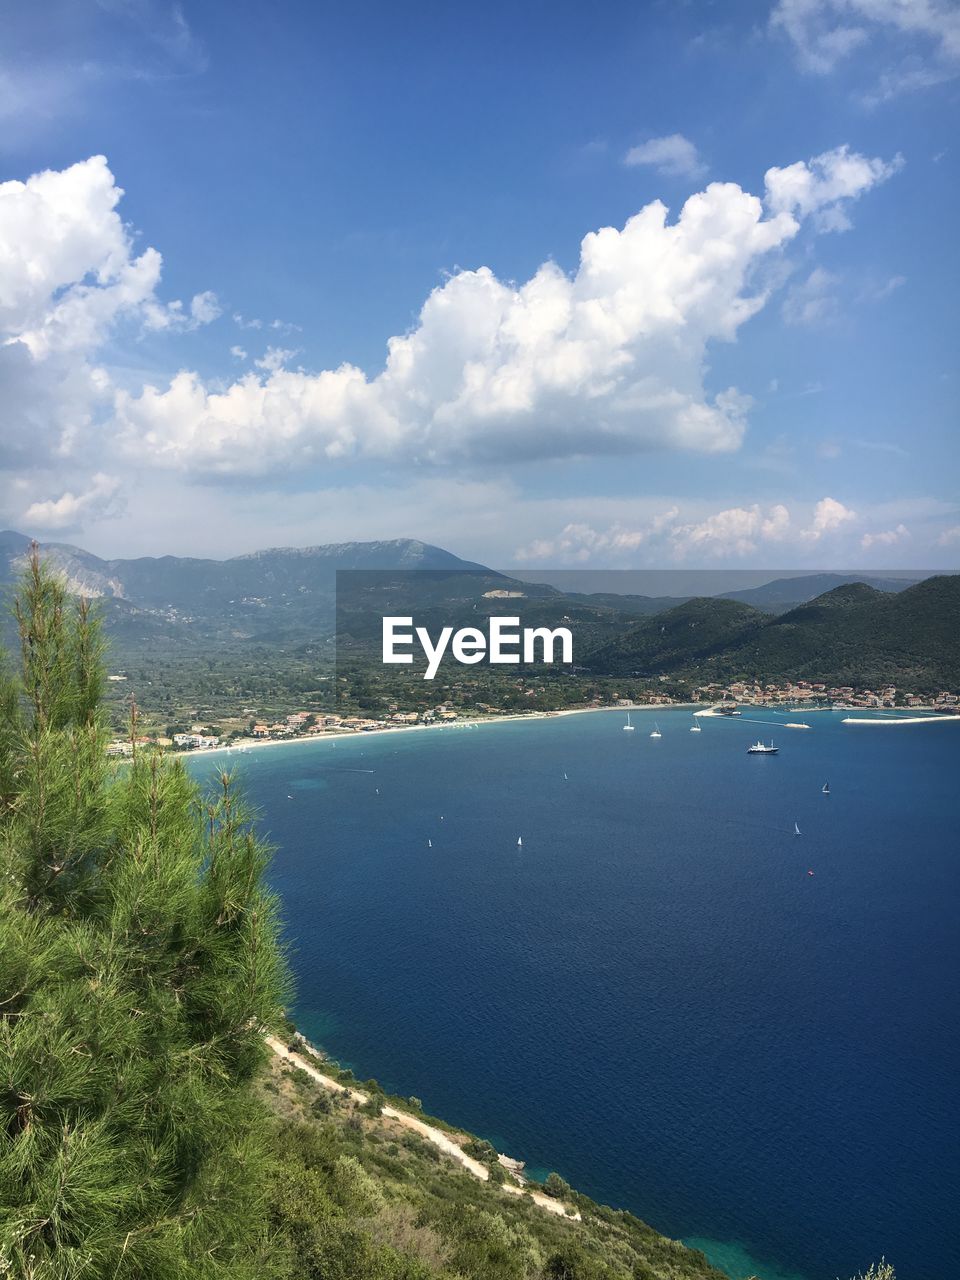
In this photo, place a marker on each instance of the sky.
(663, 284)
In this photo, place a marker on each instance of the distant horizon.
(667, 581)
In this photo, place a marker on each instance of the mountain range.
(840, 627)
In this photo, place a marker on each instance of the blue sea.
(653, 995)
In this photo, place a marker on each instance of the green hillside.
(852, 635)
(354, 1195)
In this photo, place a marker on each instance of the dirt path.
(439, 1139)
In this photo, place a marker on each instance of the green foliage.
(138, 966)
(557, 1186)
(852, 635)
(346, 1203)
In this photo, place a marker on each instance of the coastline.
(244, 745)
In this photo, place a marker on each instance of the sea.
(613, 956)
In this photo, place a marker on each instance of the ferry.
(761, 749)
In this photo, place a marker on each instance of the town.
(246, 728)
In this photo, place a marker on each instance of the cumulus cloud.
(828, 516)
(70, 510)
(673, 155)
(607, 360)
(887, 538)
(921, 36)
(824, 187)
(949, 537)
(736, 531)
(730, 532)
(274, 358)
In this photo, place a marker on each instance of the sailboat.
(796, 828)
(696, 728)
(825, 788)
(656, 731)
(628, 727)
(565, 778)
(429, 844)
(519, 842)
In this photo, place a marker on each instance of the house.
(193, 741)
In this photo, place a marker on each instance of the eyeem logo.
(504, 643)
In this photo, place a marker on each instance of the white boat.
(696, 728)
(761, 749)
(429, 844)
(656, 731)
(628, 727)
(796, 828)
(519, 842)
(825, 788)
(796, 724)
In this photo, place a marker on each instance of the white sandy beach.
(257, 744)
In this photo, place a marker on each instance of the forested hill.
(853, 635)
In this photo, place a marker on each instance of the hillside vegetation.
(852, 635)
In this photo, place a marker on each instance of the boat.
(656, 731)
(429, 844)
(825, 788)
(519, 842)
(761, 749)
(628, 727)
(796, 724)
(696, 728)
(796, 828)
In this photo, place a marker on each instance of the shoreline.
(442, 1141)
(244, 745)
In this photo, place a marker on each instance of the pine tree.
(139, 966)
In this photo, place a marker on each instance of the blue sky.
(769, 377)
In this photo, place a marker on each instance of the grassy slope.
(356, 1196)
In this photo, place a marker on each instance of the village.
(246, 728)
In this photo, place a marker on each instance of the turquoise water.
(653, 995)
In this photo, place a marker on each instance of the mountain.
(278, 608)
(853, 634)
(184, 583)
(284, 593)
(786, 593)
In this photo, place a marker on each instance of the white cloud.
(828, 516)
(824, 187)
(921, 36)
(879, 292)
(812, 302)
(204, 308)
(674, 155)
(888, 538)
(736, 531)
(274, 358)
(67, 267)
(238, 353)
(949, 537)
(733, 532)
(609, 360)
(70, 510)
